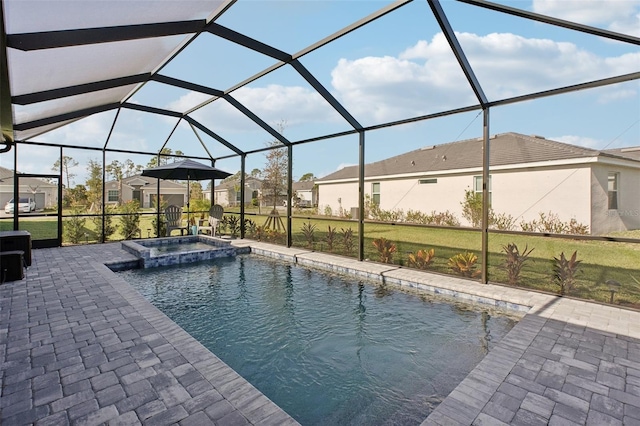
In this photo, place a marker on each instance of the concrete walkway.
(79, 346)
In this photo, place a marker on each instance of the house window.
(112, 195)
(427, 181)
(477, 186)
(375, 193)
(613, 180)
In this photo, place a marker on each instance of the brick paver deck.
(79, 346)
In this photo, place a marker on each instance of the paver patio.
(79, 346)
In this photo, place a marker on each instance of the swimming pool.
(328, 349)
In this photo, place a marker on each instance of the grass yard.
(600, 260)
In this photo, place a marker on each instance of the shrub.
(385, 249)
(249, 226)
(565, 271)
(464, 264)
(330, 237)
(109, 227)
(422, 259)
(551, 223)
(472, 207)
(233, 223)
(514, 261)
(328, 211)
(130, 221)
(74, 228)
(347, 239)
(308, 230)
(501, 221)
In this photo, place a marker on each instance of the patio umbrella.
(186, 169)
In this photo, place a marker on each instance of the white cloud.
(272, 104)
(579, 141)
(89, 131)
(426, 77)
(188, 101)
(616, 15)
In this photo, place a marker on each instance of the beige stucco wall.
(527, 193)
(627, 216)
(522, 193)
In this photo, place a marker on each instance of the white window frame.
(613, 191)
(374, 193)
(110, 192)
(477, 186)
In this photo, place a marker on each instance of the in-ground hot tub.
(176, 250)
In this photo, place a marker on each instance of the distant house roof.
(230, 184)
(632, 152)
(6, 178)
(145, 181)
(505, 149)
(303, 186)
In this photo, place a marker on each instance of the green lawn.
(601, 261)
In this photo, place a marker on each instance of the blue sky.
(397, 67)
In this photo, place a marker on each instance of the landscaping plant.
(421, 259)
(385, 249)
(74, 228)
(565, 271)
(347, 239)
(330, 237)
(514, 261)
(308, 230)
(233, 223)
(464, 264)
(130, 220)
(109, 227)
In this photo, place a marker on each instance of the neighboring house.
(306, 193)
(528, 175)
(145, 189)
(44, 193)
(228, 193)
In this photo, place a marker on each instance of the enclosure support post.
(289, 191)
(486, 204)
(16, 189)
(60, 201)
(158, 205)
(243, 160)
(361, 196)
(102, 204)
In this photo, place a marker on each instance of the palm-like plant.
(385, 249)
(514, 261)
(421, 259)
(565, 271)
(465, 264)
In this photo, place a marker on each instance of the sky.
(400, 66)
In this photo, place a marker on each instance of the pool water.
(328, 349)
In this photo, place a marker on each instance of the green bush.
(130, 221)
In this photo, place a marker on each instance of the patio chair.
(173, 215)
(215, 216)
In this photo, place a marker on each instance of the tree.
(274, 175)
(165, 154)
(116, 170)
(307, 177)
(67, 163)
(256, 173)
(94, 185)
(195, 190)
(131, 169)
(76, 196)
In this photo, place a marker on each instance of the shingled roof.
(506, 149)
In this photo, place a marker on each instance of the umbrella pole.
(188, 208)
